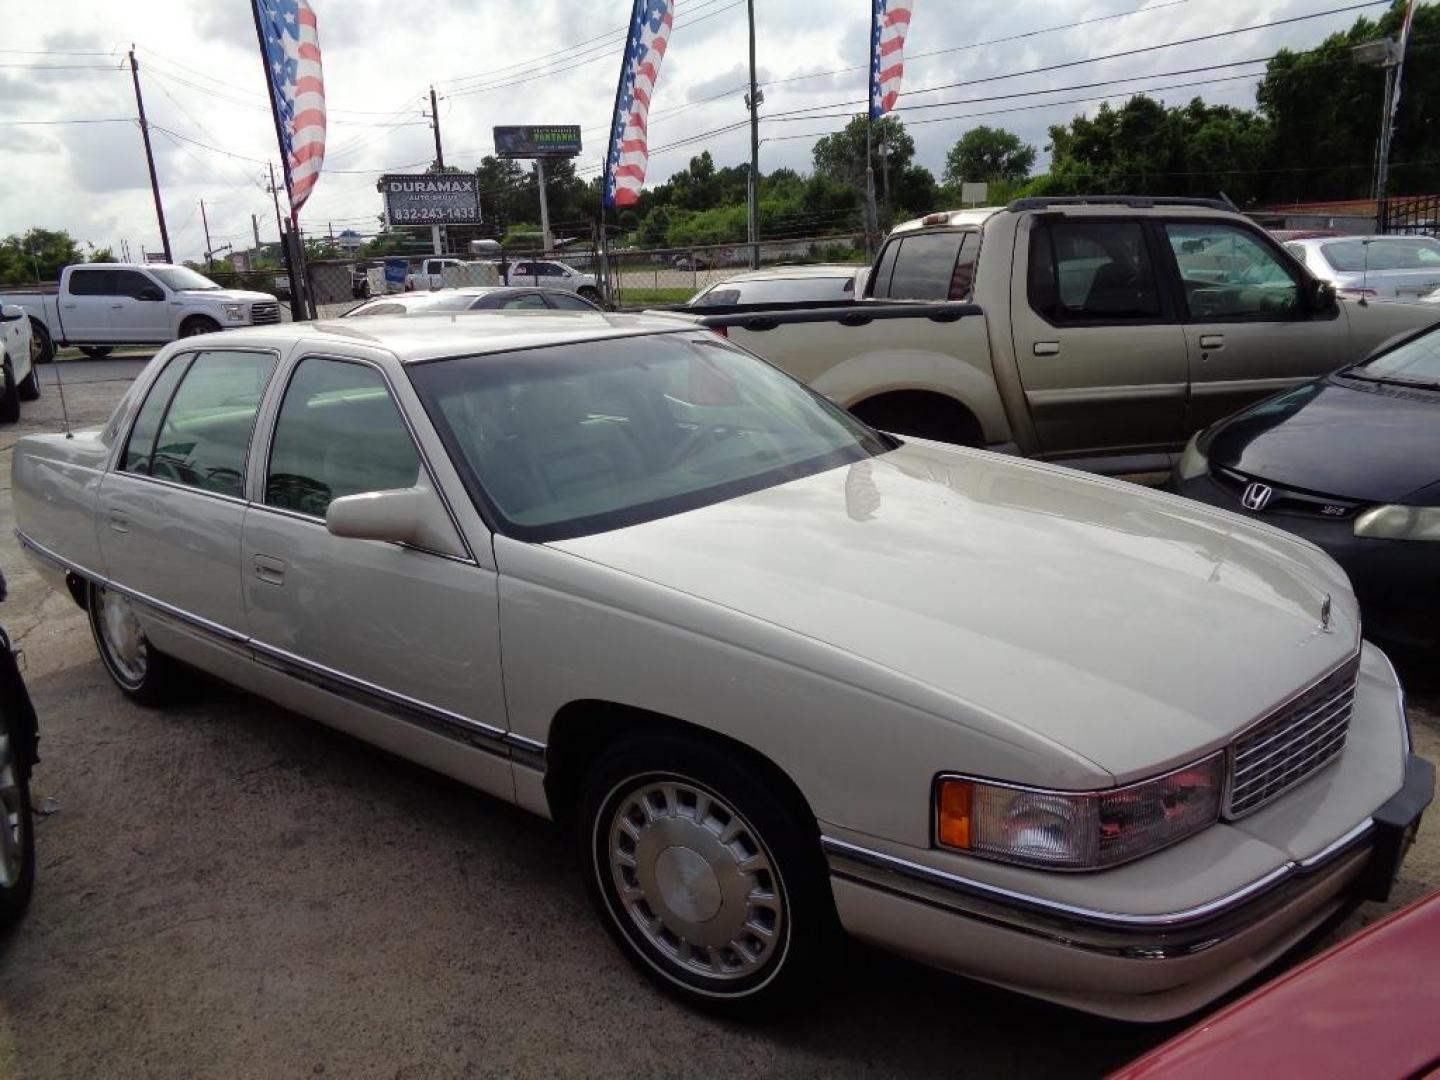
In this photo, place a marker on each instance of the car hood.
(1365, 442)
(1133, 627)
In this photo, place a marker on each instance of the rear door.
(138, 311)
(85, 305)
(1098, 341)
(1248, 329)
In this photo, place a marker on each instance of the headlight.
(1067, 830)
(235, 312)
(1193, 462)
(1400, 523)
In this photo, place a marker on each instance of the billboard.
(537, 140)
(431, 198)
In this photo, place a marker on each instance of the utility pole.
(149, 154)
(753, 100)
(209, 262)
(544, 204)
(255, 225)
(885, 171)
(434, 115)
(275, 195)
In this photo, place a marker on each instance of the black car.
(19, 740)
(1351, 462)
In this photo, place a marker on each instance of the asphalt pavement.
(229, 890)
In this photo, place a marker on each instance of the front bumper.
(1396, 581)
(1133, 967)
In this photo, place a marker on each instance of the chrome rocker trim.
(421, 714)
(1159, 936)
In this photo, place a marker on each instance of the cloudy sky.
(547, 61)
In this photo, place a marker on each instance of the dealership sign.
(431, 198)
(537, 141)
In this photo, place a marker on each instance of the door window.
(523, 269)
(932, 266)
(147, 422)
(1092, 271)
(339, 433)
(205, 435)
(1228, 273)
(130, 283)
(90, 283)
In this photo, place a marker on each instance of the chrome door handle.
(1212, 341)
(1047, 348)
(269, 570)
(118, 521)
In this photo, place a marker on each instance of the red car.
(1368, 1007)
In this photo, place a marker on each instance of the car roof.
(1378, 238)
(429, 336)
(798, 270)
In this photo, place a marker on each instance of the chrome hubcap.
(11, 849)
(124, 640)
(696, 880)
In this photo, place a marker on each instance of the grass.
(632, 297)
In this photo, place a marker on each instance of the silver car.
(1384, 267)
(778, 675)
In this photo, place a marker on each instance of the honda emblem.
(1256, 497)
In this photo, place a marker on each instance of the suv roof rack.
(1134, 202)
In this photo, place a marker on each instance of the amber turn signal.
(956, 801)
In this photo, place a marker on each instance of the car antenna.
(60, 386)
(1365, 278)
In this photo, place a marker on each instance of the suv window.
(1092, 271)
(205, 435)
(130, 283)
(1228, 273)
(147, 421)
(89, 282)
(339, 433)
(931, 266)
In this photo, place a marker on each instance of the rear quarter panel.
(54, 484)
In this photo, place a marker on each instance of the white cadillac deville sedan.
(778, 673)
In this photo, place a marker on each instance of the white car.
(471, 298)
(1383, 267)
(18, 352)
(553, 275)
(776, 673)
(786, 285)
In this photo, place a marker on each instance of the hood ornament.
(1326, 625)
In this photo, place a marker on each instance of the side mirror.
(1322, 296)
(151, 293)
(11, 313)
(413, 516)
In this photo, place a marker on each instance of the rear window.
(929, 266)
(1350, 256)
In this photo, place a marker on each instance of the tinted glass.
(1083, 271)
(1228, 273)
(147, 421)
(182, 277)
(527, 300)
(575, 439)
(206, 432)
(925, 266)
(1350, 256)
(549, 270)
(885, 269)
(1417, 361)
(339, 433)
(570, 302)
(131, 283)
(89, 282)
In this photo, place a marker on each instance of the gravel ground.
(228, 890)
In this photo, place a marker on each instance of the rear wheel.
(10, 401)
(96, 352)
(17, 826)
(143, 673)
(42, 347)
(705, 876)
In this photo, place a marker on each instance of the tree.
(101, 255)
(39, 255)
(988, 154)
(841, 156)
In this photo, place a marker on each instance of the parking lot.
(227, 890)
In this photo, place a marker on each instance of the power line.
(46, 123)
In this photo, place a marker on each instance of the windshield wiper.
(1388, 380)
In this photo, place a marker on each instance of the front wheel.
(29, 387)
(42, 347)
(707, 878)
(17, 825)
(143, 673)
(198, 324)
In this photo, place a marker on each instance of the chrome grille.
(1294, 742)
(264, 312)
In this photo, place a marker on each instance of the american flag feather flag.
(890, 22)
(629, 152)
(297, 87)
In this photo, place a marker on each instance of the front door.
(406, 631)
(85, 305)
(171, 511)
(1248, 329)
(137, 313)
(1100, 348)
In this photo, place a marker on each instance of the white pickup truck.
(1101, 331)
(446, 273)
(97, 306)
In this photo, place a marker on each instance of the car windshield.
(1415, 363)
(574, 439)
(177, 278)
(1350, 256)
(778, 291)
